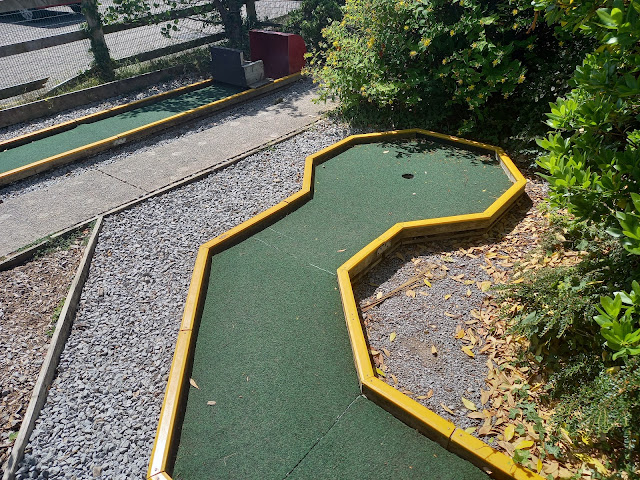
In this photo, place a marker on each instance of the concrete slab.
(169, 163)
(41, 212)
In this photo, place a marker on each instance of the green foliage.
(311, 18)
(559, 305)
(54, 318)
(618, 318)
(593, 161)
(606, 408)
(592, 380)
(441, 64)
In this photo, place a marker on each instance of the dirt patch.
(31, 296)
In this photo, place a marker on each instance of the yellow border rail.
(411, 412)
(130, 135)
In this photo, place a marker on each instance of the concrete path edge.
(48, 369)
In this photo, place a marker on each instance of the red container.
(281, 53)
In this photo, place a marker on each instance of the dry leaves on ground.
(29, 295)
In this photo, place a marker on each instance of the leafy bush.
(618, 321)
(442, 64)
(605, 408)
(559, 304)
(593, 159)
(311, 18)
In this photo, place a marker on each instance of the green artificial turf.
(88, 133)
(272, 347)
(369, 442)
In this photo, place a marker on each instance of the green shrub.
(311, 18)
(593, 159)
(605, 408)
(559, 304)
(440, 64)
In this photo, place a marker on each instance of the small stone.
(97, 471)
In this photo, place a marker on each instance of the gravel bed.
(12, 131)
(100, 417)
(29, 296)
(46, 179)
(417, 318)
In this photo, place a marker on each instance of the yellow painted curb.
(109, 112)
(400, 405)
(408, 410)
(130, 135)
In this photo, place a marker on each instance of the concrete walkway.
(39, 212)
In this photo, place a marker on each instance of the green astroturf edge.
(272, 348)
(88, 133)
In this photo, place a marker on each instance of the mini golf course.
(77, 139)
(87, 133)
(274, 392)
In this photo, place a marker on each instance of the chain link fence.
(42, 48)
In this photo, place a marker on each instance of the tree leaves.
(509, 431)
(468, 404)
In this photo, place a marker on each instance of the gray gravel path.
(408, 324)
(100, 417)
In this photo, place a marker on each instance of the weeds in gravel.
(55, 317)
(79, 236)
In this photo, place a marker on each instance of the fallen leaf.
(485, 429)
(468, 404)
(460, 334)
(524, 445)
(447, 296)
(470, 430)
(395, 380)
(509, 431)
(468, 292)
(468, 351)
(342, 250)
(411, 293)
(428, 284)
(593, 463)
(392, 337)
(380, 372)
(476, 415)
(447, 409)
(211, 402)
(434, 350)
(374, 352)
(193, 383)
(484, 286)
(386, 352)
(379, 295)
